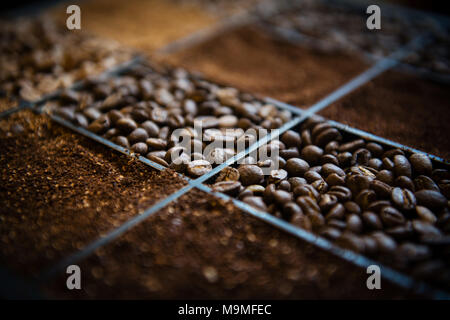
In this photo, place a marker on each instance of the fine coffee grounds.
(402, 108)
(252, 61)
(142, 24)
(59, 191)
(202, 247)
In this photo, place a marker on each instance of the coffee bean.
(284, 185)
(256, 202)
(392, 153)
(291, 153)
(198, 168)
(126, 125)
(371, 220)
(361, 157)
(256, 189)
(326, 136)
(330, 233)
(312, 176)
(404, 182)
(425, 214)
(341, 192)
(308, 204)
(376, 206)
(111, 133)
(291, 139)
(327, 201)
(370, 245)
(302, 221)
(338, 224)
(138, 135)
(329, 168)
(332, 147)
(228, 174)
(312, 154)
(139, 115)
(320, 185)
(156, 143)
(383, 190)
(140, 148)
(354, 223)
(402, 167)
(336, 212)
(350, 241)
(391, 217)
(306, 190)
(282, 197)
(296, 167)
(228, 121)
(421, 164)
(375, 149)
(352, 145)
(425, 229)
(412, 252)
(425, 183)
(317, 220)
(290, 209)
(207, 122)
(268, 193)
(358, 182)
(401, 232)
(352, 207)
(335, 180)
(276, 176)
(384, 242)
(251, 174)
(122, 141)
(375, 163)
(440, 174)
(100, 125)
(329, 158)
(388, 164)
(431, 199)
(157, 159)
(404, 199)
(229, 187)
(386, 176)
(296, 181)
(345, 159)
(92, 113)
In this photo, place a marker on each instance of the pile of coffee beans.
(39, 56)
(344, 28)
(148, 108)
(378, 201)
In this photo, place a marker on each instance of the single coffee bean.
(138, 135)
(386, 176)
(329, 168)
(111, 133)
(228, 121)
(421, 164)
(312, 154)
(329, 158)
(425, 214)
(335, 180)
(268, 193)
(308, 204)
(317, 220)
(291, 153)
(326, 136)
(404, 199)
(256, 189)
(198, 168)
(404, 182)
(93, 114)
(296, 181)
(431, 199)
(391, 217)
(312, 176)
(276, 176)
(296, 167)
(140, 148)
(341, 192)
(383, 190)
(371, 220)
(392, 153)
(100, 125)
(413, 252)
(361, 157)
(290, 209)
(291, 139)
(345, 159)
(352, 207)
(401, 232)
(157, 159)
(320, 185)
(350, 241)
(156, 143)
(425, 229)
(375, 163)
(332, 147)
(122, 141)
(370, 245)
(229, 187)
(228, 174)
(327, 201)
(284, 185)
(425, 183)
(385, 243)
(256, 202)
(251, 174)
(388, 164)
(402, 167)
(375, 149)
(358, 182)
(376, 206)
(126, 125)
(302, 221)
(352, 145)
(330, 233)
(139, 115)
(81, 120)
(336, 212)
(306, 190)
(338, 224)
(354, 223)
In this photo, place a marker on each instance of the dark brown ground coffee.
(402, 108)
(59, 191)
(201, 247)
(252, 61)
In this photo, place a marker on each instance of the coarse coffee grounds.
(143, 24)
(252, 61)
(6, 104)
(202, 247)
(402, 108)
(59, 191)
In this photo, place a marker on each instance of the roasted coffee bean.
(317, 220)
(228, 121)
(375, 163)
(256, 202)
(284, 185)
(404, 182)
(111, 133)
(290, 209)
(391, 217)
(425, 183)
(291, 139)
(376, 206)
(330, 233)
(276, 176)
(345, 159)
(180, 161)
(338, 224)
(354, 223)
(250, 174)
(164, 133)
(126, 125)
(392, 153)
(311, 154)
(175, 121)
(402, 167)
(401, 232)
(228, 174)
(375, 149)
(156, 143)
(302, 221)
(363, 171)
(352, 145)
(229, 187)
(296, 167)
(358, 182)
(268, 193)
(383, 190)
(327, 201)
(159, 116)
(386, 176)
(122, 141)
(332, 147)
(421, 164)
(431, 199)
(198, 168)
(425, 229)
(139, 115)
(312, 176)
(336, 212)
(157, 159)
(384, 242)
(329, 158)
(350, 241)
(306, 190)
(320, 185)
(296, 181)
(308, 204)
(341, 192)
(256, 189)
(440, 174)
(361, 157)
(326, 136)
(370, 245)
(140, 148)
(92, 113)
(100, 125)
(404, 199)
(352, 207)
(388, 164)
(291, 153)
(138, 135)
(371, 220)
(425, 214)
(81, 120)
(335, 180)
(245, 193)
(444, 185)
(329, 168)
